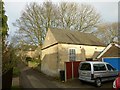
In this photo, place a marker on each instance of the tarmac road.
(30, 78)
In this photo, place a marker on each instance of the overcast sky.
(107, 8)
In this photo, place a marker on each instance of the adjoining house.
(64, 46)
(27, 51)
(30, 54)
(111, 54)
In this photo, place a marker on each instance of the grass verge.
(16, 72)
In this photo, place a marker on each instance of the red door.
(68, 70)
(75, 68)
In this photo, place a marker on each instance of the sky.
(14, 8)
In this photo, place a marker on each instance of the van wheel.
(98, 82)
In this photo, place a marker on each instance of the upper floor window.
(72, 54)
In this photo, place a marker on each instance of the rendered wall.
(82, 52)
(53, 58)
(49, 39)
(49, 64)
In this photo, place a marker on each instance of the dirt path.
(30, 78)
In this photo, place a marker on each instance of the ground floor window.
(72, 54)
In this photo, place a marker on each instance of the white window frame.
(72, 53)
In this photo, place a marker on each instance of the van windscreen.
(85, 66)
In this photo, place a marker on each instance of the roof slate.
(75, 37)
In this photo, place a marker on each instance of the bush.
(16, 71)
(32, 64)
(8, 62)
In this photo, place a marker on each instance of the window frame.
(72, 53)
(82, 64)
(110, 66)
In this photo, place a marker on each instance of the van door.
(112, 72)
(85, 71)
(100, 71)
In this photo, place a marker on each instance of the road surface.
(30, 78)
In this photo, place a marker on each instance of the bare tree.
(88, 18)
(37, 18)
(29, 24)
(107, 32)
(34, 22)
(67, 15)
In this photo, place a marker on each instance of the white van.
(96, 72)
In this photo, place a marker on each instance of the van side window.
(99, 67)
(110, 67)
(85, 66)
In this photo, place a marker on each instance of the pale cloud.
(108, 10)
(13, 11)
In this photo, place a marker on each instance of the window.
(72, 54)
(85, 66)
(110, 67)
(99, 67)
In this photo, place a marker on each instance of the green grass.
(32, 64)
(16, 72)
(15, 88)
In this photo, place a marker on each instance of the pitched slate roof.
(75, 37)
(109, 47)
